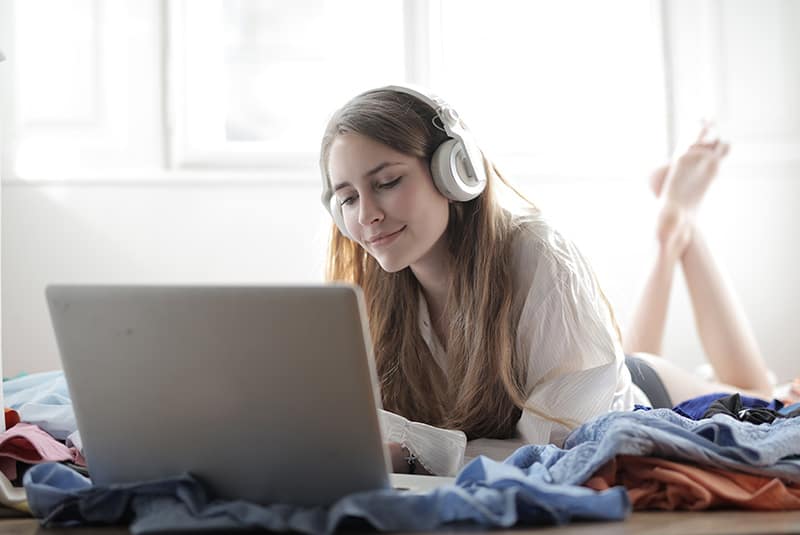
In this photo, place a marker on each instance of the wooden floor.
(703, 523)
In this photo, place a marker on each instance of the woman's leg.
(682, 384)
(724, 332)
(645, 331)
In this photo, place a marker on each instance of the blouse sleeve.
(440, 451)
(576, 366)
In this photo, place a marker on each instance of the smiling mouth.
(387, 238)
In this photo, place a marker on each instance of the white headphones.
(456, 166)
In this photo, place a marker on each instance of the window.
(558, 89)
(255, 82)
(86, 93)
(173, 88)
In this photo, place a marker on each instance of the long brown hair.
(482, 391)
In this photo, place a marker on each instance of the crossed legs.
(725, 334)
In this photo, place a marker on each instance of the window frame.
(254, 160)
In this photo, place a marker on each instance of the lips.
(381, 239)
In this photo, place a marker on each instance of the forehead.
(353, 155)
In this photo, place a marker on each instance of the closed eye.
(388, 185)
(391, 184)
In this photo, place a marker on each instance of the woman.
(483, 321)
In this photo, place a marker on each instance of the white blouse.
(576, 366)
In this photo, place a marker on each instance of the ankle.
(674, 229)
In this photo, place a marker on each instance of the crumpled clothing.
(768, 450)
(11, 418)
(486, 494)
(791, 411)
(42, 399)
(659, 484)
(734, 407)
(30, 444)
(695, 408)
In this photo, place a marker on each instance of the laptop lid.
(268, 394)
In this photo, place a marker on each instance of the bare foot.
(688, 178)
(681, 187)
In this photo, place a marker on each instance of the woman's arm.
(438, 451)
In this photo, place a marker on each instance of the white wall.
(158, 234)
(263, 234)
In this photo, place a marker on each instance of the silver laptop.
(267, 394)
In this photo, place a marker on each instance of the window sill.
(284, 178)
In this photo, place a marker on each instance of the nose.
(369, 211)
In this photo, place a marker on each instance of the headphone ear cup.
(449, 172)
(338, 217)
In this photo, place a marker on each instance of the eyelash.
(387, 185)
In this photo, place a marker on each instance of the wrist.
(409, 459)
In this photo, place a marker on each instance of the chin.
(391, 265)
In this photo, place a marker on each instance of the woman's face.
(389, 202)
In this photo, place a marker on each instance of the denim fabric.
(536, 485)
(792, 411)
(486, 493)
(769, 450)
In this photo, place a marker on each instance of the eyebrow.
(369, 173)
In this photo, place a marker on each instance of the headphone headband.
(454, 127)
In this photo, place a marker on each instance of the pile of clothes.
(40, 428)
(712, 452)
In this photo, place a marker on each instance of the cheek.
(403, 206)
(352, 225)
(434, 209)
(442, 216)
(423, 202)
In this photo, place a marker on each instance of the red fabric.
(12, 418)
(654, 483)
